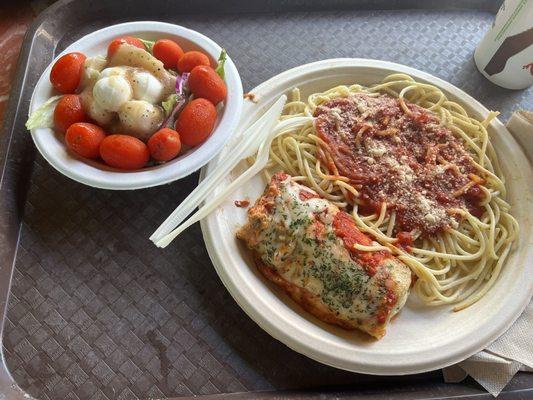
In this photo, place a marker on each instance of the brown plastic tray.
(96, 311)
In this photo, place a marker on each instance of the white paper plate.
(420, 338)
(93, 173)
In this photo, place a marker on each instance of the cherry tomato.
(115, 44)
(205, 82)
(168, 52)
(124, 152)
(196, 122)
(84, 139)
(68, 111)
(164, 145)
(66, 72)
(192, 59)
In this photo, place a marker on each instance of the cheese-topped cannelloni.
(315, 253)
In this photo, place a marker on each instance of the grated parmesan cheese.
(406, 170)
(375, 148)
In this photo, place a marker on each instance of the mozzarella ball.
(94, 111)
(100, 115)
(89, 77)
(140, 118)
(113, 71)
(146, 87)
(111, 92)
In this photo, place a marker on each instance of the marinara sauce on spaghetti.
(406, 160)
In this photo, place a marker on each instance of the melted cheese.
(300, 243)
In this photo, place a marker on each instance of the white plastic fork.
(260, 163)
(249, 140)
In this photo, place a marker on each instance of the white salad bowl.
(97, 174)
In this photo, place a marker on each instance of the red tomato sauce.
(407, 160)
(306, 195)
(242, 203)
(405, 241)
(345, 228)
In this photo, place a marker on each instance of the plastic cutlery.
(259, 164)
(250, 140)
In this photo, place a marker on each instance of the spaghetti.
(415, 171)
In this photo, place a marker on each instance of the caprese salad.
(144, 102)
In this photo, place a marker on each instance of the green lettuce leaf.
(43, 117)
(148, 44)
(169, 104)
(220, 66)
